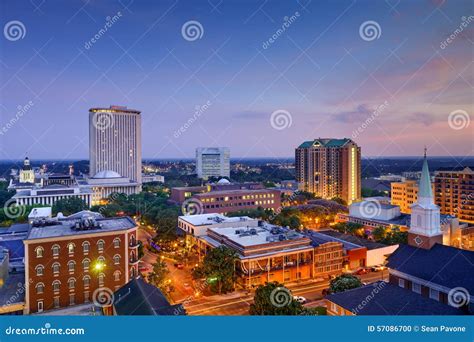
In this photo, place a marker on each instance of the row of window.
(56, 284)
(415, 287)
(71, 265)
(71, 247)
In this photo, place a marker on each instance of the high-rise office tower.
(115, 142)
(329, 168)
(212, 162)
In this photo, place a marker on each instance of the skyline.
(321, 76)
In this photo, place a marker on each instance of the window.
(85, 264)
(55, 250)
(39, 288)
(87, 281)
(416, 287)
(71, 283)
(70, 248)
(101, 279)
(55, 268)
(117, 275)
(434, 294)
(71, 265)
(116, 243)
(56, 302)
(39, 270)
(86, 296)
(401, 283)
(116, 259)
(39, 252)
(40, 306)
(100, 245)
(333, 307)
(72, 299)
(86, 247)
(56, 285)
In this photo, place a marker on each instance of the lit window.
(55, 249)
(39, 270)
(55, 268)
(70, 248)
(39, 252)
(116, 259)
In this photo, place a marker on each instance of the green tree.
(379, 233)
(274, 299)
(69, 206)
(344, 282)
(218, 267)
(158, 276)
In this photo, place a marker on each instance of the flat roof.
(381, 205)
(208, 219)
(64, 228)
(235, 191)
(354, 240)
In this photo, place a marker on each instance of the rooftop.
(209, 219)
(234, 192)
(382, 298)
(325, 142)
(114, 109)
(352, 240)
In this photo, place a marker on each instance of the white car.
(300, 299)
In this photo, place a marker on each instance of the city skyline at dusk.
(392, 93)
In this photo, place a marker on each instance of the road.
(238, 303)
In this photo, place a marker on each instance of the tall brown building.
(454, 193)
(329, 168)
(69, 262)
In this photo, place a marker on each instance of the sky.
(259, 77)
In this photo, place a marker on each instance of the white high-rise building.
(212, 162)
(115, 142)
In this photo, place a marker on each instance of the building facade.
(115, 141)
(48, 195)
(69, 262)
(212, 162)
(330, 168)
(404, 194)
(454, 193)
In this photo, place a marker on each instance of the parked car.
(300, 299)
(362, 271)
(179, 265)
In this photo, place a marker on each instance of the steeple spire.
(425, 193)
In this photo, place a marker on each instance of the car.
(179, 265)
(362, 271)
(300, 299)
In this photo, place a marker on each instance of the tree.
(69, 206)
(344, 282)
(379, 233)
(158, 276)
(218, 267)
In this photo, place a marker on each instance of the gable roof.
(443, 265)
(326, 142)
(382, 298)
(137, 297)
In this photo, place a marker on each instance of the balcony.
(133, 244)
(133, 261)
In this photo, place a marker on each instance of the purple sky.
(321, 72)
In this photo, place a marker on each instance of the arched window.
(86, 247)
(55, 267)
(132, 272)
(86, 280)
(100, 245)
(39, 270)
(71, 266)
(101, 259)
(39, 252)
(56, 285)
(117, 275)
(116, 259)
(55, 250)
(116, 243)
(85, 264)
(71, 283)
(70, 248)
(39, 288)
(101, 279)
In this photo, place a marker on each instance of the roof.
(209, 219)
(424, 189)
(140, 298)
(64, 228)
(381, 298)
(234, 192)
(12, 291)
(40, 212)
(352, 239)
(326, 142)
(443, 265)
(107, 174)
(114, 109)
